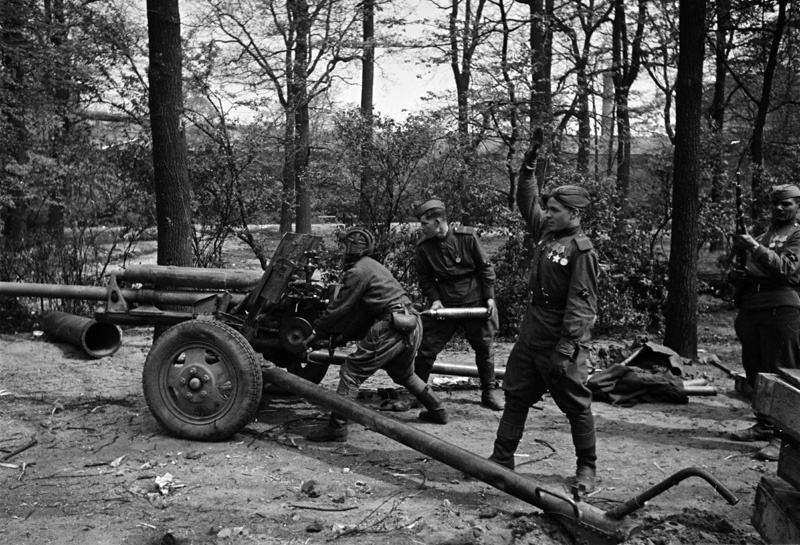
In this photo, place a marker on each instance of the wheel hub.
(196, 382)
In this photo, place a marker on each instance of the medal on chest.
(776, 241)
(557, 253)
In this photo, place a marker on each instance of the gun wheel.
(202, 381)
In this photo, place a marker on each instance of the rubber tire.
(236, 363)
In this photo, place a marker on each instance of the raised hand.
(533, 151)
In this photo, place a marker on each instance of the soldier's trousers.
(530, 372)
(479, 333)
(383, 348)
(770, 339)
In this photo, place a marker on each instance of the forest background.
(201, 125)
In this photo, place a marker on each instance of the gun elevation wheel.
(202, 381)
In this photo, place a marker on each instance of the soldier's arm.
(528, 189)
(344, 307)
(782, 264)
(483, 268)
(425, 277)
(581, 303)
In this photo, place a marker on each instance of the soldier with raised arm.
(551, 350)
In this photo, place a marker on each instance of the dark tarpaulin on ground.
(651, 374)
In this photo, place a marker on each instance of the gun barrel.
(461, 313)
(98, 293)
(192, 277)
(53, 291)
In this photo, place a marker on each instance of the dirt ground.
(99, 470)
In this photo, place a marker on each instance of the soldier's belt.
(758, 286)
(548, 304)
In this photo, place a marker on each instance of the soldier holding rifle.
(768, 321)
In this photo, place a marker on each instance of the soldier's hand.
(436, 305)
(533, 151)
(559, 363)
(336, 340)
(736, 275)
(492, 306)
(743, 242)
(310, 339)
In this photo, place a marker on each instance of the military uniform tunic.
(768, 321)
(362, 310)
(456, 270)
(561, 309)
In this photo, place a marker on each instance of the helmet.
(357, 242)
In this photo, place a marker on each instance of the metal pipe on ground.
(323, 357)
(695, 387)
(699, 390)
(588, 523)
(95, 338)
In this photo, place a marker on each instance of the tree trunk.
(584, 119)
(626, 58)
(461, 71)
(716, 112)
(541, 44)
(14, 145)
(681, 310)
(302, 136)
(623, 158)
(757, 142)
(367, 95)
(513, 116)
(173, 191)
(287, 176)
(541, 59)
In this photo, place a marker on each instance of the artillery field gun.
(203, 379)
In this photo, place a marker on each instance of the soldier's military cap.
(428, 205)
(571, 196)
(786, 191)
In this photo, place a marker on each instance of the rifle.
(740, 256)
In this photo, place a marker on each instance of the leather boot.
(434, 413)
(492, 397)
(585, 479)
(507, 441)
(772, 452)
(334, 430)
(585, 441)
(762, 430)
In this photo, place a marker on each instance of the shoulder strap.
(583, 242)
(463, 230)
